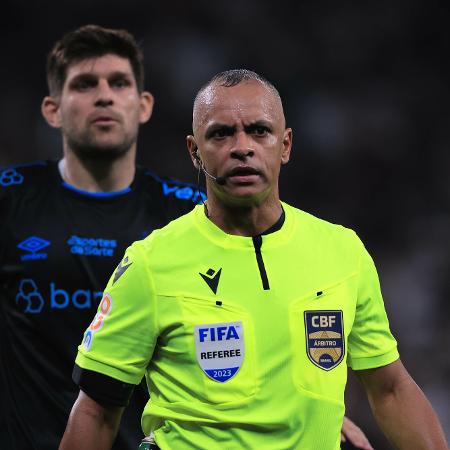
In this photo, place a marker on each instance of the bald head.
(208, 93)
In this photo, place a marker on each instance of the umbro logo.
(212, 278)
(121, 268)
(33, 245)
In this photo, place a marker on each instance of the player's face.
(100, 107)
(241, 135)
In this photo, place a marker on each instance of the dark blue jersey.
(58, 247)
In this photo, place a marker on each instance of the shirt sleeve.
(370, 343)
(120, 340)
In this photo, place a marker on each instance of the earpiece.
(219, 180)
(197, 156)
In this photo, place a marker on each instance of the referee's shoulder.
(324, 228)
(176, 230)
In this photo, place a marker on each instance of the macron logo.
(121, 268)
(211, 278)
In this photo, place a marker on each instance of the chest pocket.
(319, 324)
(220, 345)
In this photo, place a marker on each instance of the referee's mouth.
(243, 174)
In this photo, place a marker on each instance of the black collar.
(277, 225)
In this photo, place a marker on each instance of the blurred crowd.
(366, 90)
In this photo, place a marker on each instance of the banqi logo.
(97, 323)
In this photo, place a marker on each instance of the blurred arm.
(354, 435)
(91, 426)
(401, 409)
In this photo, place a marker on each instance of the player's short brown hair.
(91, 41)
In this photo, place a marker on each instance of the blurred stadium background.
(366, 89)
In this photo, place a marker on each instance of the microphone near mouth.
(221, 181)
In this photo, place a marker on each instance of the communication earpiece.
(219, 180)
(197, 156)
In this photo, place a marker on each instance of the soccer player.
(244, 313)
(65, 226)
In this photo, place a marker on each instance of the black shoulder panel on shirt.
(18, 179)
(178, 190)
(23, 173)
(104, 390)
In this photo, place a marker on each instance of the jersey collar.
(276, 235)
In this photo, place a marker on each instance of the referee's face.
(242, 138)
(100, 108)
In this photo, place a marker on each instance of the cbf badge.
(324, 338)
(220, 349)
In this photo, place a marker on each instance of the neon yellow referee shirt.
(244, 341)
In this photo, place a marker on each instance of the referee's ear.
(50, 111)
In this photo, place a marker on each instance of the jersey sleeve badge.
(121, 268)
(104, 308)
(220, 349)
(325, 338)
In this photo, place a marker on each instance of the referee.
(244, 313)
